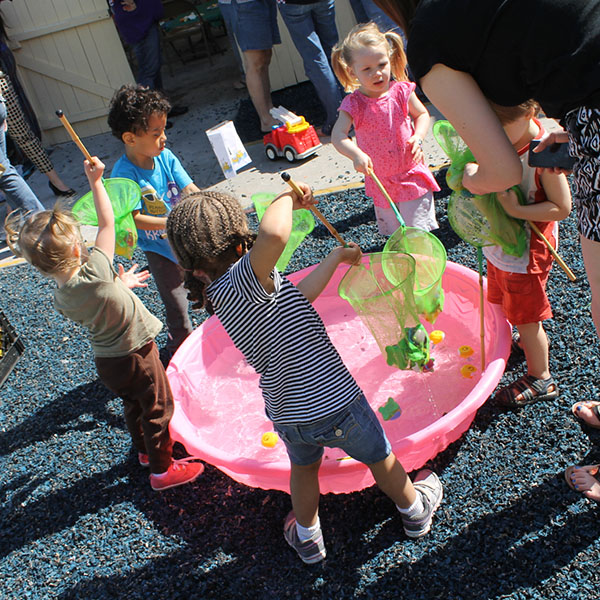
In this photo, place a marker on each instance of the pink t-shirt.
(382, 127)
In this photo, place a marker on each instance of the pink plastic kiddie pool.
(219, 410)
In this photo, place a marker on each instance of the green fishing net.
(303, 223)
(479, 220)
(124, 196)
(430, 262)
(380, 291)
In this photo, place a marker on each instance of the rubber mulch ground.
(79, 519)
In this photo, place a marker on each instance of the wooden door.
(70, 57)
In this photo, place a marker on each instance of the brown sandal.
(527, 390)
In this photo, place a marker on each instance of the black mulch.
(79, 519)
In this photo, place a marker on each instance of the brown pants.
(140, 380)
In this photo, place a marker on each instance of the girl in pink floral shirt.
(390, 123)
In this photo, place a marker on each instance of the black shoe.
(59, 193)
(177, 110)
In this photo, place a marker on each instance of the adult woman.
(463, 52)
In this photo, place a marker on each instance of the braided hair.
(207, 231)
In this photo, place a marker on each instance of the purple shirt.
(134, 25)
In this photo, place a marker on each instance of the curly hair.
(132, 106)
(206, 231)
(367, 36)
(45, 239)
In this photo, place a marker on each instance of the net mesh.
(124, 195)
(380, 290)
(479, 220)
(430, 262)
(303, 223)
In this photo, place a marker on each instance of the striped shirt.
(302, 376)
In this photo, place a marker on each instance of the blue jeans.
(18, 193)
(314, 33)
(355, 429)
(149, 59)
(366, 10)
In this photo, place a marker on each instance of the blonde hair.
(363, 36)
(44, 239)
(205, 230)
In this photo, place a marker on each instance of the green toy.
(125, 196)
(302, 224)
(390, 410)
(411, 351)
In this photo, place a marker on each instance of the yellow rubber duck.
(436, 336)
(467, 371)
(465, 351)
(269, 439)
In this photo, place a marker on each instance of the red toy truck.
(294, 140)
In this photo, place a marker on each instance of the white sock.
(306, 533)
(415, 508)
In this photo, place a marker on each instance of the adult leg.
(18, 193)
(259, 85)
(306, 24)
(591, 260)
(169, 281)
(149, 59)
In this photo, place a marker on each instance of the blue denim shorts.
(254, 23)
(355, 429)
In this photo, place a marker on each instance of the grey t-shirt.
(98, 300)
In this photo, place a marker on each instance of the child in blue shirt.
(138, 117)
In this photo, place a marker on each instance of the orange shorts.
(521, 295)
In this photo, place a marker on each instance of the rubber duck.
(269, 439)
(465, 351)
(436, 336)
(467, 371)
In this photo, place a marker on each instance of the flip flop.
(593, 406)
(584, 480)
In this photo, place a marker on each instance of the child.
(138, 116)
(122, 330)
(310, 396)
(390, 123)
(519, 284)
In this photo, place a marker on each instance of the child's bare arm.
(420, 117)
(556, 208)
(148, 222)
(314, 283)
(105, 238)
(345, 146)
(132, 279)
(274, 231)
(190, 188)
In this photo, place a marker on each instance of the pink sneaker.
(180, 472)
(143, 459)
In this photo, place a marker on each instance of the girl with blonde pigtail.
(390, 123)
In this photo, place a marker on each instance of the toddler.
(390, 123)
(138, 116)
(310, 396)
(518, 284)
(121, 329)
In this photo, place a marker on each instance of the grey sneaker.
(310, 551)
(429, 487)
